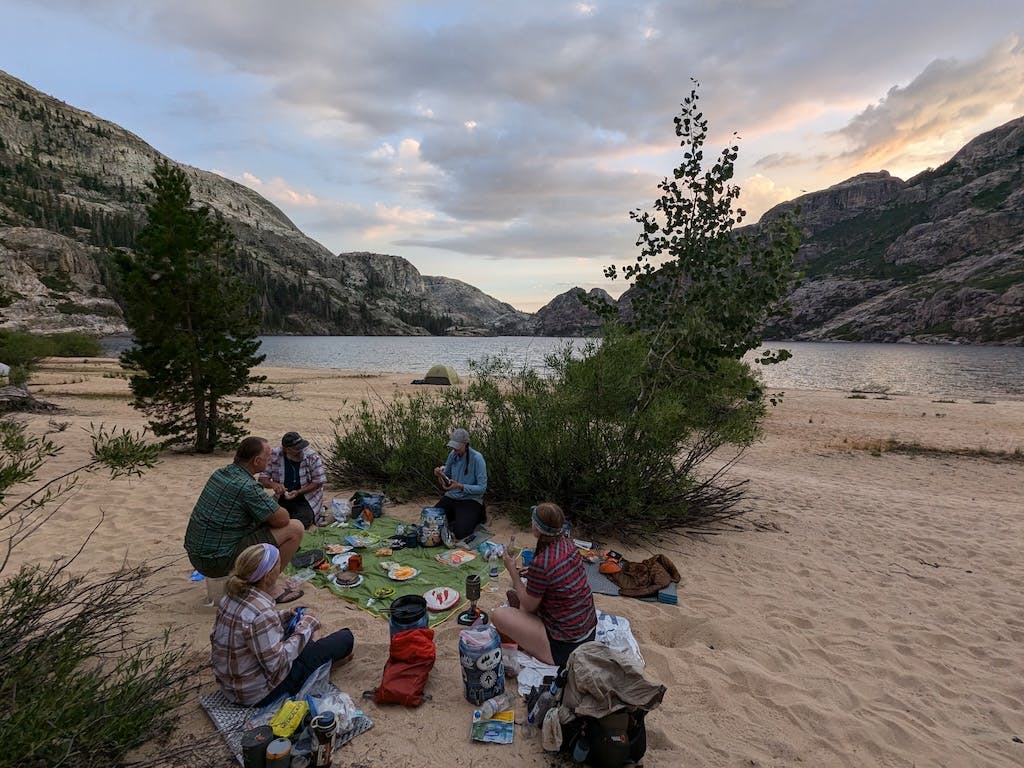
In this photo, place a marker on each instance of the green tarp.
(431, 572)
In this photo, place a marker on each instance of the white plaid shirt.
(311, 470)
(248, 650)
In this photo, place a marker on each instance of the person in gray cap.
(296, 475)
(464, 479)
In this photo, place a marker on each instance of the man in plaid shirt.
(296, 475)
(234, 512)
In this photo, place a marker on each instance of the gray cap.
(458, 438)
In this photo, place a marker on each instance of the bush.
(574, 437)
(74, 682)
(74, 344)
(23, 351)
(78, 686)
(26, 349)
(396, 444)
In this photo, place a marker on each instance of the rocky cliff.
(936, 258)
(71, 191)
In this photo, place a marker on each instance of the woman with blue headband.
(257, 656)
(553, 612)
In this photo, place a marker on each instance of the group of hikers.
(239, 530)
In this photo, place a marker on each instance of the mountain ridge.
(936, 258)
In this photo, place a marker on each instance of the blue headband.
(547, 530)
(270, 555)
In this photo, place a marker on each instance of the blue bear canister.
(432, 520)
(483, 674)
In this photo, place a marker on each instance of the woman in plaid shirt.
(255, 659)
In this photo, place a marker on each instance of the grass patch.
(983, 402)
(89, 395)
(879, 447)
(857, 396)
(943, 401)
(997, 283)
(98, 310)
(871, 389)
(59, 282)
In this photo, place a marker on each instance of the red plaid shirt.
(557, 576)
(248, 650)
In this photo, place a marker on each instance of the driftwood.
(17, 399)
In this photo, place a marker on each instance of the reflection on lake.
(950, 370)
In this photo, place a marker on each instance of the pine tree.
(190, 315)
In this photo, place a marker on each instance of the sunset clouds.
(480, 140)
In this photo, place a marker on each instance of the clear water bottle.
(492, 573)
(499, 703)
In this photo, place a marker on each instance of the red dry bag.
(407, 669)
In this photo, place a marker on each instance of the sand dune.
(867, 611)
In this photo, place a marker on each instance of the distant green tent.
(441, 374)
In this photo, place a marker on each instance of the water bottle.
(499, 703)
(323, 726)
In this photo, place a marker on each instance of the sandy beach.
(866, 611)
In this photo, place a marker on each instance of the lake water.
(935, 370)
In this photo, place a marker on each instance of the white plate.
(334, 580)
(341, 560)
(413, 575)
(441, 598)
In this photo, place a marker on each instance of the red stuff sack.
(407, 669)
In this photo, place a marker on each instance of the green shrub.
(78, 685)
(75, 344)
(73, 681)
(26, 349)
(23, 351)
(396, 444)
(574, 437)
(59, 281)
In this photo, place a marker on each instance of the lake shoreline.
(941, 371)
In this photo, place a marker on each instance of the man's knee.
(288, 534)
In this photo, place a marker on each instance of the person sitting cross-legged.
(255, 659)
(296, 475)
(464, 479)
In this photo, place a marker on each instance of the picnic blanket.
(613, 631)
(602, 585)
(431, 572)
(233, 720)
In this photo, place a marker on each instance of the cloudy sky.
(504, 144)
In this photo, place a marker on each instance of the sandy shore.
(867, 611)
